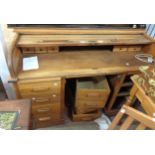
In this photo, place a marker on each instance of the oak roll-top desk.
(65, 53)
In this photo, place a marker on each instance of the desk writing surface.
(79, 64)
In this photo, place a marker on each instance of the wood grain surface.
(82, 64)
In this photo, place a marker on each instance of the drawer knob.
(40, 100)
(55, 84)
(54, 95)
(44, 118)
(33, 98)
(43, 110)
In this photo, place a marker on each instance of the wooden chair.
(133, 116)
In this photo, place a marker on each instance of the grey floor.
(70, 125)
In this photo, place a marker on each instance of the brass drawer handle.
(55, 84)
(40, 90)
(45, 118)
(93, 95)
(43, 110)
(54, 95)
(90, 106)
(40, 100)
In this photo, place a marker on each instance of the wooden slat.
(115, 121)
(80, 40)
(127, 123)
(127, 84)
(115, 93)
(139, 116)
(141, 127)
(76, 31)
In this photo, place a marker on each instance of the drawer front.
(134, 49)
(92, 95)
(127, 49)
(46, 121)
(39, 89)
(88, 106)
(120, 49)
(47, 115)
(83, 110)
(44, 98)
(53, 110)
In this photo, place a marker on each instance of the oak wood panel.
(80, 64)
(126, 124)
(76, 31)
(80, 40)
(141, 127)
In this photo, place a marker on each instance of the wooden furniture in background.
(120, 87)
(145, 101)
(133, 116)
(24, 109)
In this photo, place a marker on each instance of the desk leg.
(132, 96)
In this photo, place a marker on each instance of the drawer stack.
(47, 100)
(91, 96)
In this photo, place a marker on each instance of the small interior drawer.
(133, 48)
(120, 49)
(39, 50)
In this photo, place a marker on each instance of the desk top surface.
(82, 64)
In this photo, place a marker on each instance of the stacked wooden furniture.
(91, 96)
(65, 53)
(132, 119)
(120, 86)
(138, 92)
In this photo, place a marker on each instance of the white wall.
(4, 72)
(150, 30)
